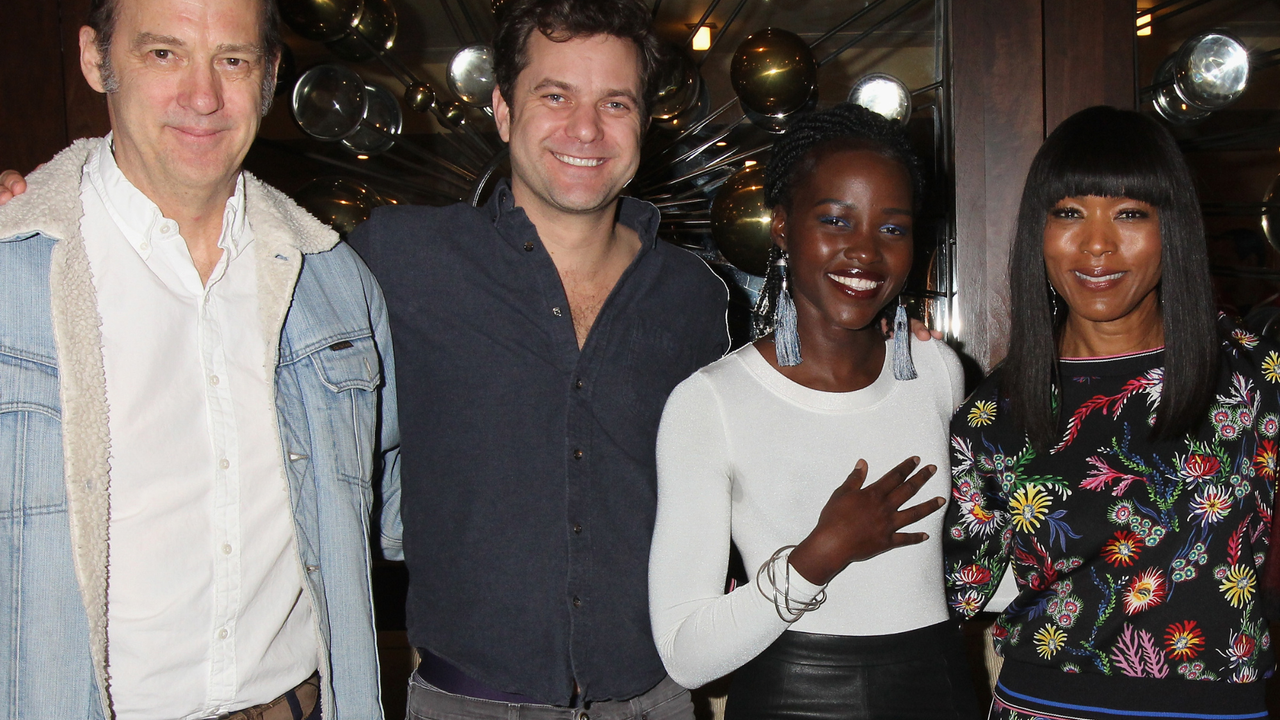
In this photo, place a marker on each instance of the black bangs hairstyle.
(1107, 152)
(795, 155)
(564, 20)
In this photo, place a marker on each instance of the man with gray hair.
(196, 399)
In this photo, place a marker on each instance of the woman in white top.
(846, 615)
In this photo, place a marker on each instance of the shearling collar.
(47, 208)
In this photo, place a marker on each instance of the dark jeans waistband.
(441, 674)
(665, 701)
(300, 703)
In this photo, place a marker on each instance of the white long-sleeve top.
(748, 455)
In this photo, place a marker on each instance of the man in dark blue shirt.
(537, 339)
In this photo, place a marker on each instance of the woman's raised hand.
(860, 522)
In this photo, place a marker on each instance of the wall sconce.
(703, 39)
(1144, 25)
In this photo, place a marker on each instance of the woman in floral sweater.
(1122, 459)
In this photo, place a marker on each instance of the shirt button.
(578, 385)
(577, 528)
(222, 634)
(166, 228)
(224, 463)
(528, 246)
(226, 549)
(556, 311)
(577, 602)
(577, 454)
(144, 247)
(213, 380)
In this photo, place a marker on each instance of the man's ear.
(778, 227)
(501, 115)
(91, 59)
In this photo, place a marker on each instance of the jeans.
(666, 701)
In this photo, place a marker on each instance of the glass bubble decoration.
(329, 101)
(1271, 213)
(382, 111)
(773, 72)
(340, 203)
(678, 89)
(471, 75)
(1169, 102)
(420, 97)
(740, 221)
(883, 94)
(1211, 70)
(321, 20)
(374, 33)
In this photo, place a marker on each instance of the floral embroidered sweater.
(1132, 557)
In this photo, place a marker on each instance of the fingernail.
(932, 468)
(861, 464)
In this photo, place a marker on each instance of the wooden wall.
(1019, 67)
(44, 101)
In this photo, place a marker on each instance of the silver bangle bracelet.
(788, 609)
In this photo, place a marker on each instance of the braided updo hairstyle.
(795, 155)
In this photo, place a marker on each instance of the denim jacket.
(329, 349)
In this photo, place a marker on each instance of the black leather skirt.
(920, 674)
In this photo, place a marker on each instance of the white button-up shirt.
(206, 607)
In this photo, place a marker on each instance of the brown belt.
(297, 704)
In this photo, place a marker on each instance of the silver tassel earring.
(786, 338)
(903, 368)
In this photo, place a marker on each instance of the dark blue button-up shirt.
(527, 466)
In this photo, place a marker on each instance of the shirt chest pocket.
(350, 373)
(656, 362)
(30, 438)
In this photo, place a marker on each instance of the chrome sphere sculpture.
(774, 73)
(884, 94)
(1211, 70)
(740, 221)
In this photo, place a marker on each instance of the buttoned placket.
(220, 415)
(577, 421)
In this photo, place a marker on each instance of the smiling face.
(1102, 255)
(848, 238)
(189, 94)
(573, 124)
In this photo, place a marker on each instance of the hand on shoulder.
(12, 184)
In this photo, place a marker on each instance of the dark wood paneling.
(998, 123)
(1088, 56)
(86, 108)
(32, 110)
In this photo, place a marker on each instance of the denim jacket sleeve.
(391, 529)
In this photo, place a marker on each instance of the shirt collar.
(636, 214)
(140, 219)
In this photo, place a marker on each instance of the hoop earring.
(903, 368)
(786, 337)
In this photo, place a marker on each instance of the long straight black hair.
(1107, 152)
